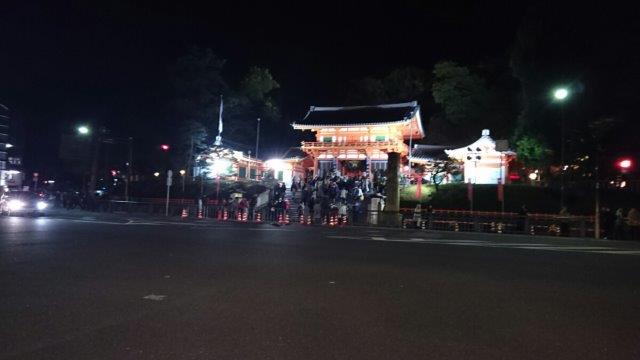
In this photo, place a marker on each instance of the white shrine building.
(483, 162)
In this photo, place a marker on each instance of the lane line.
(483, 243)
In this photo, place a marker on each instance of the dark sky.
(63, 62)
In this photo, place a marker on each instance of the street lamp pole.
(560, 94)
(257, 137)
(562, 157)
(129, 170)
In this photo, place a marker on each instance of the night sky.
(63, 62)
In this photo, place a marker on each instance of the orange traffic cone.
(259, 217)
(200, 216)
(184, 214)
(225, 215)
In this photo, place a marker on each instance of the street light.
(156, 174)
(83, 130)
(560, 94)
(182, 176)
(164, 147)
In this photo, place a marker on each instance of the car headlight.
(15, 205)
(41, 205)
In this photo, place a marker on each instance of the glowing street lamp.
(182, 176)
(560, 93)
(83, 130)
(164, 147)
(156, 174)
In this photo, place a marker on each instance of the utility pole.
(129, 170)
(94, 165)
(562, 157)
(169, 183)
(597, 212)
(257, 137)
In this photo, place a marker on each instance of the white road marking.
(154, 297)
(483, 243)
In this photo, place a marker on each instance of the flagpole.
(219, 137)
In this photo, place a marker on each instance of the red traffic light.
(164, 147)
(625, 163)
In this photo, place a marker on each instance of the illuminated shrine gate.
(355, 140)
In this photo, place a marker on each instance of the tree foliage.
(400, 85)
(470, 101)
(199, 85)
(531, 151)
(462, 94)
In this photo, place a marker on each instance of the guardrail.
(446, 220)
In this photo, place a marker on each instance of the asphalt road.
(145, 289)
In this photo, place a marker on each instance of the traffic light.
(624, 165)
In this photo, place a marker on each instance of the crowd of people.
(616, 226)
(332, 194)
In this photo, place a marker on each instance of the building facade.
(484, 163)
(355, 140)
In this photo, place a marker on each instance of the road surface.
(148, 289)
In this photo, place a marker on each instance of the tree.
(400, 85)
(198, 85)
(192, 141)
(461, 93)
(474, 99)
(254, 99)
(405, 84)
(366, 91)
(531, 151)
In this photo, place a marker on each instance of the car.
(22, 202)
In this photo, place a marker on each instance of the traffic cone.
(184, 214)
(301, 219)
(259, 217)
(344, 219)
(225, 215)
(200, 216)
(309, 220)
(244, 216)
(286, 218)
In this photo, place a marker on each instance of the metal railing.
(444, 220)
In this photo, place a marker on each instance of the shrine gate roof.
(360, 115)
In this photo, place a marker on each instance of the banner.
(419, 187)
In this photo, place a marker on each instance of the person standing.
(618, 226)
(633, 222)
(522, 218)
